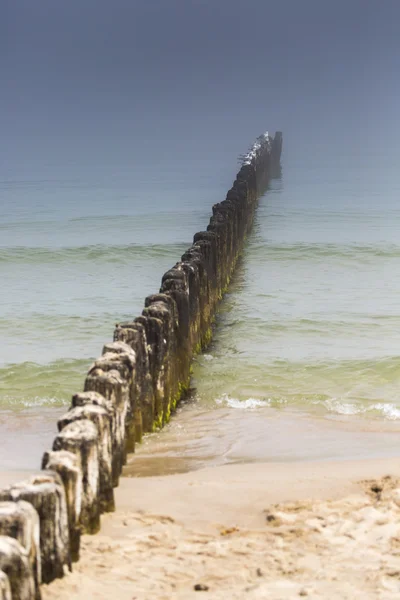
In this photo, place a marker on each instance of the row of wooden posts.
(131, 389)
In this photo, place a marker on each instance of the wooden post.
(45, 492)
(5, 589)
(101, 418)
(20, 520)
(82, 438)
(14, 564)
(68, 466)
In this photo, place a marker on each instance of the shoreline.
(253, 530)
(205, 501)
(200, 436)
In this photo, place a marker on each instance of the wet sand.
(200, 437)
(25, 435)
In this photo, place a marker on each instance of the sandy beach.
(294, 506)
(319, 530)
(246, 503)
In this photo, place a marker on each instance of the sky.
(102, 80)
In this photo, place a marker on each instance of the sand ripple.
(347, 549)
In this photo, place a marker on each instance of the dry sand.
(317, 530)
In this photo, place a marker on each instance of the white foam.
(387, 410)
(248, 404)
(390, 411)
(341, 408)
(37, 401)
(208, 357)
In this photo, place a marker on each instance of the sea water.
(78, 255)
(311, 321)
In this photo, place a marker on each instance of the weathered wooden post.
(134, 335)
(83, 399)
(5, 589)
(123, 358)
(82, 438)
(45, 492)
(104, 378)
(68, 466)
(14, 564)
(20, 520)
(101, 418)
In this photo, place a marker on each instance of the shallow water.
(312, 318)
(202, 436)
(311, 322)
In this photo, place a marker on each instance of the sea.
(307, 339)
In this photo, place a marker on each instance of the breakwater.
(131, 389)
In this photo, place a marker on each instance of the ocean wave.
(207, 357)
(387, 410)
(302, 251)
(249, 403)
(74, 254)
(365, 388)
(390, 411)
(34, 402)
(31, 384)
(256, 328)
(82, 326)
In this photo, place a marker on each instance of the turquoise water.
(312, 319)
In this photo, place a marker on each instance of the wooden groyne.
(131, 389)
